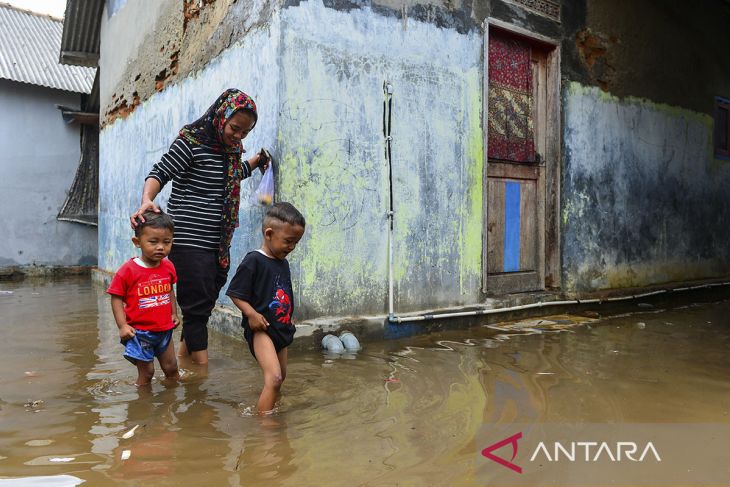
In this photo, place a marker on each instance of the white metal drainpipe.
(387, 111)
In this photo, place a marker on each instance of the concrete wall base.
(21, 272)
(375, 328)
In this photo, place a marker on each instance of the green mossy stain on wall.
(574, 89)
(470, 242)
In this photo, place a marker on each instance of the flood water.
(400, 412)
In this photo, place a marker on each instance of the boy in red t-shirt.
(143, 300)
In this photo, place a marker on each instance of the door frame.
(551, 275)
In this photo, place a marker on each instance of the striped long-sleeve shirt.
(196, 202)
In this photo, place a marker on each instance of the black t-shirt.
(265, 283)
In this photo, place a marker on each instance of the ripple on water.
(186, 374)
(250, 411)
(108, 387)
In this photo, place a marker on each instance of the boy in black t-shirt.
(262, 290)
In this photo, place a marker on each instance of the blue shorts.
(146, 345)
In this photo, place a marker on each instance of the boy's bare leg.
(168, 362)
(145, 372)
(283, 356)
(269, 362)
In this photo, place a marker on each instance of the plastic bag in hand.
(264, 194)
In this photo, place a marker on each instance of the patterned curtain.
(511, 134)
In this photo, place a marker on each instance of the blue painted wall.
(39, 157)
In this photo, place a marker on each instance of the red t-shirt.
(146, 294)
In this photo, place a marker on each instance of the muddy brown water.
(400, 412)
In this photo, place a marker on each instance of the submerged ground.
(400, 412)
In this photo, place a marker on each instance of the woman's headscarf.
(208, 131)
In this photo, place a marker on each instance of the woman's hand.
(260, 160)
(149, 192)
(146, 205)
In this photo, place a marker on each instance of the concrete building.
(525, 145)
(40, 152)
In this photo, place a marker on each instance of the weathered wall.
(334, 64)
(158, 43)
(39, 157)
(146, 46)
(129, 147)
(317, 75)
(644, 200)
(133, 38)
(668, 51)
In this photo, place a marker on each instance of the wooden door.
(515, 184)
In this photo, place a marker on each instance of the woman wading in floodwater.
(206, 168)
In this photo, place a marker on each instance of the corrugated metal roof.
(81, 32)
(29, 48)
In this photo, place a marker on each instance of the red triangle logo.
(487, 452)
